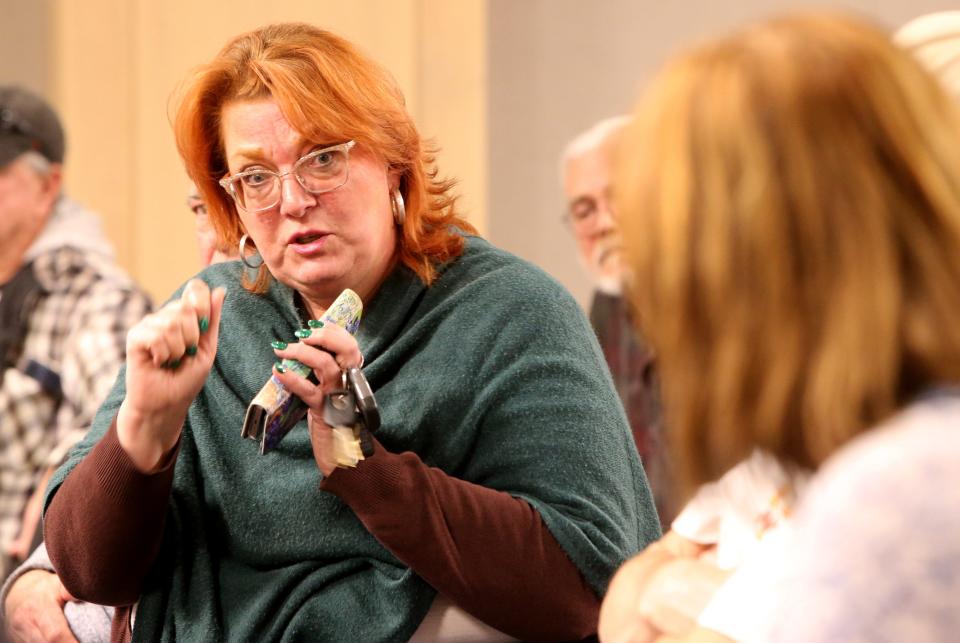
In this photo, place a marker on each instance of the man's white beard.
(607, 281)
(608, 285)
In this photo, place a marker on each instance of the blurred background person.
(41, 608)
(65, 307)
(794, 248)
(209, 249)
(586, 174)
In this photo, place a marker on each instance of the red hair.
(327, 91)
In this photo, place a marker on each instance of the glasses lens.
(320, 171)
(323, 170)
(256, 190)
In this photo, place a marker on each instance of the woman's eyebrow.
(255, 152)
(248, 152)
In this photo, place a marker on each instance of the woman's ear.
(393, 179)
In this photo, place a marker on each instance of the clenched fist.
(169, 355)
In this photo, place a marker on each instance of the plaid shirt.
(77, 331)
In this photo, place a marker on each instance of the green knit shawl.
(491, 374)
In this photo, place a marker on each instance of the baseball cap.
(935, 40)
(27, 122)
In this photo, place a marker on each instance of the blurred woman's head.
(327, 92)
(790, 198)
(209, 250)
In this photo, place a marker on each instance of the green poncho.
(492, 374)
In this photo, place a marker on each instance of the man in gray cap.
(65, 308)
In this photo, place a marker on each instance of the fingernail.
(278, 345)
(315, 323)
(303, 333)
(280, 367)
(192, 350)
(172, 364)
(204, 324)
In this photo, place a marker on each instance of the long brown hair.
(790, 198)
(328, 91)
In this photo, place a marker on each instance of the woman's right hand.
(34, 609)
(169, 354)
(658, 594)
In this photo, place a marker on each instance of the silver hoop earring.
(243, 255)
(399, 209)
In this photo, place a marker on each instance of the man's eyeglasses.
(319, 171)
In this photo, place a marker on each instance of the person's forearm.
(104, 524)
(487, 551)
(20, 548)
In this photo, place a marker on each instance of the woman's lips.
(308, 244)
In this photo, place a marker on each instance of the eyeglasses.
(319, 171)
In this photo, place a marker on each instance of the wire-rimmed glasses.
(319, 171)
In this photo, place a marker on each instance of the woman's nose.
(294, 199)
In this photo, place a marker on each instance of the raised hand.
(327, 350)
(169, 355)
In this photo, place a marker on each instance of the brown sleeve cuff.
(376, 486)
(119, 478)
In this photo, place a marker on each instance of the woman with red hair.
(503, 490)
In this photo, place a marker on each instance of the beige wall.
(117, 62)
(25, 44)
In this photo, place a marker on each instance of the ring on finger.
(343, 367)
